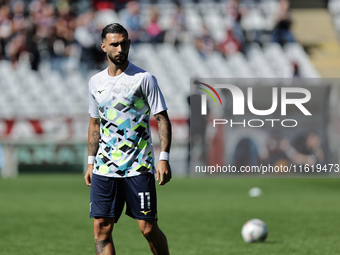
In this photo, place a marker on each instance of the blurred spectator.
(17, 43)
(178, 32)
(153, 29)
(230, 45)
(15, 47)
(19, 19)
(116, 5)
(45, 20)
(296, 70)
(246, 153)
(282, 33)
(120, 4)
(306, 149)
(197, 130)
(235, 11)
(103, 4)
(87, 35)
(32, 45)
(204, 43)
(61, 42)
(132, 21)
(277, 146)
(199, 46)
(208, 42)
(5, 28)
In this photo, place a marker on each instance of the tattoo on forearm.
(100, 245)
(94, 144)
(164, 130)
(94, 137)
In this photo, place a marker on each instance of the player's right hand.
(88, 175)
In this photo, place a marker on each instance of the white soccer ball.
(255, 192)
(254, 230)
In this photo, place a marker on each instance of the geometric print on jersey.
(125, 144)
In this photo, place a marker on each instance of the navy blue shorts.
(108, 196)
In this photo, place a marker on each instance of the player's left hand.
(163, 172)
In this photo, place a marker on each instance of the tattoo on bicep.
(100, 245)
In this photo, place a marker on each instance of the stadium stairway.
(314, 30)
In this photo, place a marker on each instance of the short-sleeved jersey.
(123, 104)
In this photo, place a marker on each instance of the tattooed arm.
(93, 144)
(164, 130)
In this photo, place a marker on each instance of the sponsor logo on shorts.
(145, 212)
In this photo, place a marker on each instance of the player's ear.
(102, 45)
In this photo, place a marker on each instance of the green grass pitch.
(48, 214)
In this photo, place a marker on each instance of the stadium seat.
(334, 7)
(239, 66)
(254, 20)
(259, 63)
(194, 63)
(194, 21)
(219, 66)
(296, 54)
(278, 60)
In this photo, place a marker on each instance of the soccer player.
(121, 161)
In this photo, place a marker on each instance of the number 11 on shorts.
(142, 196)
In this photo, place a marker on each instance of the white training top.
(123, 104)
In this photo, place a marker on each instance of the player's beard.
(118, 62)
